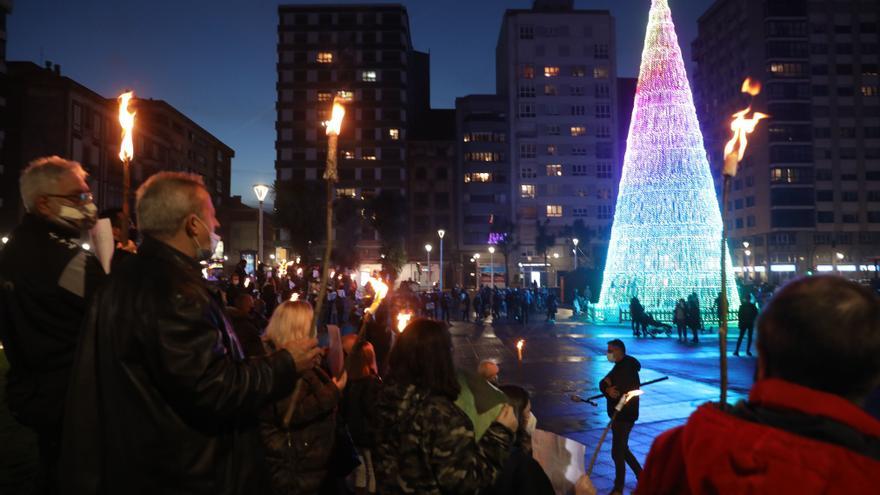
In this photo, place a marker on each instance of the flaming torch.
(332, 129)
(380, 290)
(519, 347)
(734, 151)
(620, 404)
(126, 153)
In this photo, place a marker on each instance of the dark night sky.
(215, 60)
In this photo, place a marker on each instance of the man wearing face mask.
(163, 399)
(47, 282)
(622, 378)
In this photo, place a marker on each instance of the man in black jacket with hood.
(622, 378)
(162, 398)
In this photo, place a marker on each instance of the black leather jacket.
(162, 399)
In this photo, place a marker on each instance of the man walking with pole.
(622, 378)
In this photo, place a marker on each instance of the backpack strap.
(819, 428)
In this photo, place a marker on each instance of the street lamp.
(838, 256)
(492, 265)
(428, 248)
(441, 233)
(261, 190)
(575, 242)
(479, 275)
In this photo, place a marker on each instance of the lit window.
(482, 156)
(394, 134)
(578, 71)
(554, 210)
(603, 193)
(549, 90)
(554, 170)
(368, 76)
(551, 149)
(324, 96)
(578, 130)
(527, 191)
(600, 73)
(346, 95)
(478, 177)
(325, 58)
(368, 157)
(869, 90)
(551, 71)
(346, 192)
(528, 71)
(347, 154)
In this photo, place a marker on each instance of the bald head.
(823, 333)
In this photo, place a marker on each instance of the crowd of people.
(151, 379)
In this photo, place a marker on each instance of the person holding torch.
(623, 378)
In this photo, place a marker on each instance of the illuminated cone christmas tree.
(666, 238)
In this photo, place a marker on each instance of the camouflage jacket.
(425, 445)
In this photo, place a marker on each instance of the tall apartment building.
(366, 51)
(807, 197)
(556, 70)
(484, 182)
(51, 114)
(431, 159)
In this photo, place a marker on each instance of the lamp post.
(492, 265)
(838, 256)
(428, 248)
(261, 190)
(575, 250)
(441, 233)
(477, 271)
(746, 254)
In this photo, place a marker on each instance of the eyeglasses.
(80, 197)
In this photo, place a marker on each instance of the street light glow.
(575, 241)
(746, 244)
(428, 247)
(477, 256)
(261, 190)
(839, 256)
(491, 249)
(441, 233)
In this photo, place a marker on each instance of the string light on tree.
(666, 236)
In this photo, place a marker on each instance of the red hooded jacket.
(719, 452)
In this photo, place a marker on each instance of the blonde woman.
(298, 446)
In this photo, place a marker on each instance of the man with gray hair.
(47, 282)
(162, 397)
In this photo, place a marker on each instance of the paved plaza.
(569, 358)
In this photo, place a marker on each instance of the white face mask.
(531, 424)
(204, 254)
(610, 356)
(81, 218)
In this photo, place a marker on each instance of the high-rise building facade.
(807, 197)
(484, 182)
(365, 51)
(556, 70)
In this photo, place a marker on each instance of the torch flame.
(334, 125)
(126, 120)
(294, 297)
(381, 290)
(735, 149)
(403, 320)
(519, 344)
(751, 87)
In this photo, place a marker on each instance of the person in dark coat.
(245, 326)
(694, 319)
(748, 313)
(521, 473)
(162, 398)
(299, 439)
(637, 315)
(622, 378)
(425, 444)
(803, 429)
(465, 305)
(48, 281)
(359, 412)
